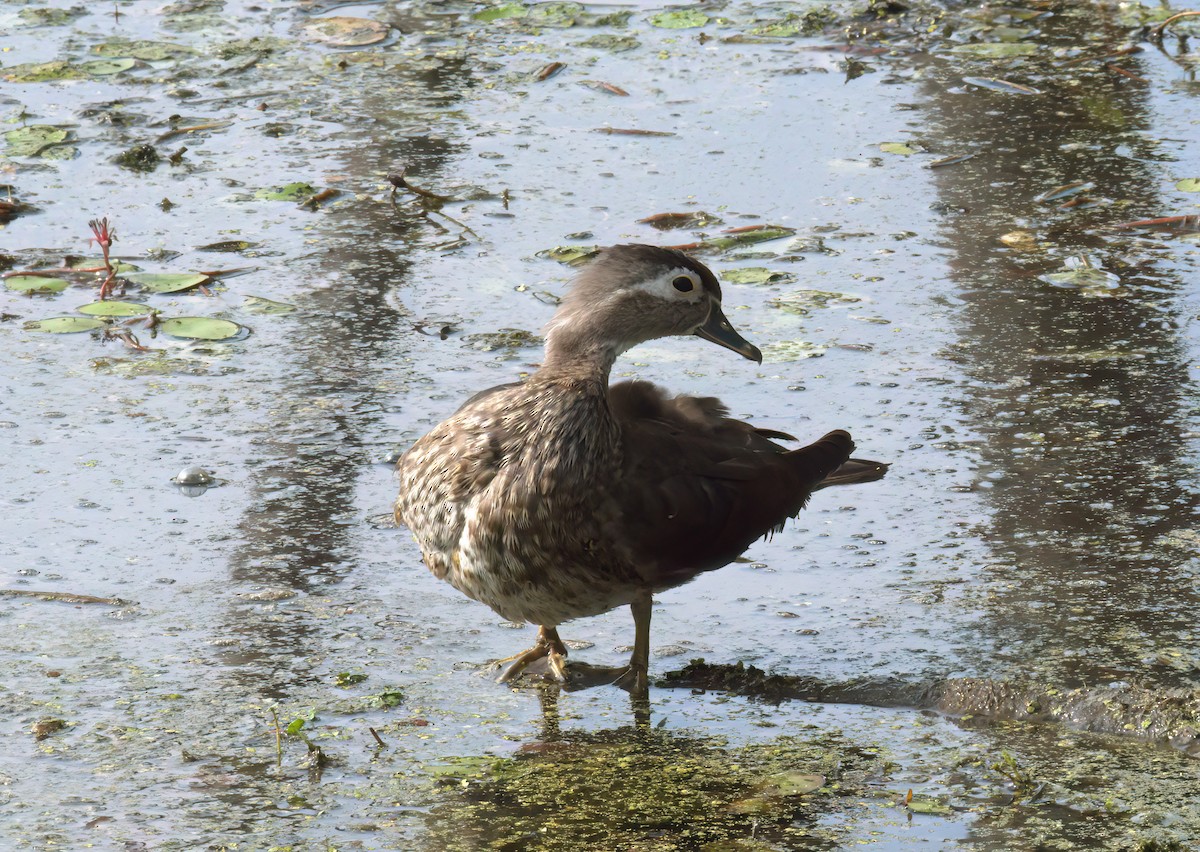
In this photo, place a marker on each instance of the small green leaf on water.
(679, 19)
(898, 148)
(114, 309)
(139, 158)
(297, 191)
(259, 305)
(29, 141)
(344, 679)
(294, 727)
(107, 67)
(757, 275)
(166, 282)
(344, 31)
(390, 697)
(35, 284)
(1188, 185)
(199, 328)
(500, 12)
(995, 50)
(64, 325)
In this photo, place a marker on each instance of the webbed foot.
(549, 647)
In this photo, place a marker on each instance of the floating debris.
(997, 85)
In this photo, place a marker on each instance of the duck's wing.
(699, 487)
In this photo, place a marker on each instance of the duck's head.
(633, 293)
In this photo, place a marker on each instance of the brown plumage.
(563, 497)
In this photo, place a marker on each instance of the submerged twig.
(399, 181)
(1156, 34)
(195, 128)
(63, 597)
(278, 739)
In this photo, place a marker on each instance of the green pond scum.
(969, 234)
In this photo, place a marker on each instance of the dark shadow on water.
(1082, 393)
(1169, 716)
(333, 379)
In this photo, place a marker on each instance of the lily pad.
(228, 245)
(344, 31)
(97, 263)
(148, 51)
(679, 19)
(803, 301)
(792, 784)
(501, 12)
(259, 305)
(50, 17)
(570, 255)
(64, 325)
(166, 282)
(898, 148)
(757, 275)
(735, 237)
(610, 42)
(791, 350)
(107, 67)
(995, 49)
(297, 191)
(1188, 185)
(200, 328)
(114, 309)
(1086, 278)
(42, 72)
(928, 805)
(793, 24)
(36, 284)
(506, 339)
(30, 141)
(555, 14)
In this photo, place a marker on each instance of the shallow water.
(1037, 523)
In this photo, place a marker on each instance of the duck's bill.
(717, 329)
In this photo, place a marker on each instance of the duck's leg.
(636, 677)
(548, 645)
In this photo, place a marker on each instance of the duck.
(564, 496)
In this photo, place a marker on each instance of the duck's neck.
(578, 356)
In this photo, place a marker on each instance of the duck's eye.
(684, 284)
